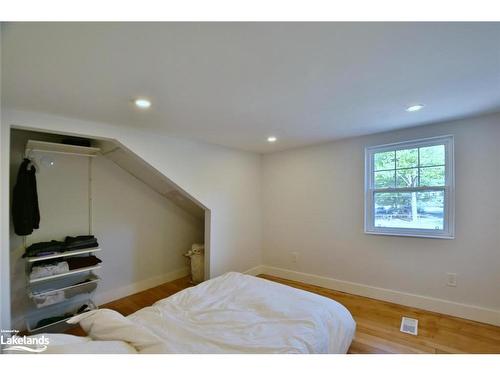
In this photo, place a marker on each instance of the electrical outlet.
(451, 279)
(295, 257)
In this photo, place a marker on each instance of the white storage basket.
(69, 308)
(55, 291)
(197, 257)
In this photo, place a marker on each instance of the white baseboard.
(255, 270)
(476, 313)
(114, 294)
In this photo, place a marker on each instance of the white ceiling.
(236, 83)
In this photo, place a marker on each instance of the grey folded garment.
(54, 247)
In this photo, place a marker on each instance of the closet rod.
(60, 152)
(60, 148)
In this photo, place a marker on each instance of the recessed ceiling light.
(271, 139)
(414, 108)
(47, 161)
(142, 103)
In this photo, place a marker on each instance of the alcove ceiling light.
(47, 161)
(271, 139)
(414, 108)
(142, 103)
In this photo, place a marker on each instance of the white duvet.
(233, 313)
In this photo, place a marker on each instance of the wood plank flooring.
(377, 322)
(134, 302)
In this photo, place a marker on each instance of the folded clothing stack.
(80, 242)
(44, 248)
(50, 268)
(56, 247)
(82, 262)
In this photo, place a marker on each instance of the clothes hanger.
(27, 155)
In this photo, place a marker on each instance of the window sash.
(409, 189)
(447, 188)
(370, 198)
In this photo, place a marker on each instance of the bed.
(232, 313)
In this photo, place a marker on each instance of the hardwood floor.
(377, 322)
(134, 302)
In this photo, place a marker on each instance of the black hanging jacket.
(25, 212)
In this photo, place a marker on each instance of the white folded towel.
(48, 270)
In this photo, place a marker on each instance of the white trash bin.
(197, 257)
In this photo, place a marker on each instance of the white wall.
(143, 235)
(224, 180)
(313, 205)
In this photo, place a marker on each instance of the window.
(409, 188)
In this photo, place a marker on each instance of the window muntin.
(409, 188)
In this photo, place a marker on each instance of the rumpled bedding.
(232, 313)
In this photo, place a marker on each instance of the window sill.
(417, 235)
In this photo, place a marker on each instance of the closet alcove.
(142, 221)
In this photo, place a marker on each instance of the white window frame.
(448, 231)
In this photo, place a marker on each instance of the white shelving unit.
(58, 276)
(51, 295)
(61, 295)
(42, 294)
(63, 255)
(65, 309)
(42, 289)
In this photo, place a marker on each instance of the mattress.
(232, 313)
(237, 313)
